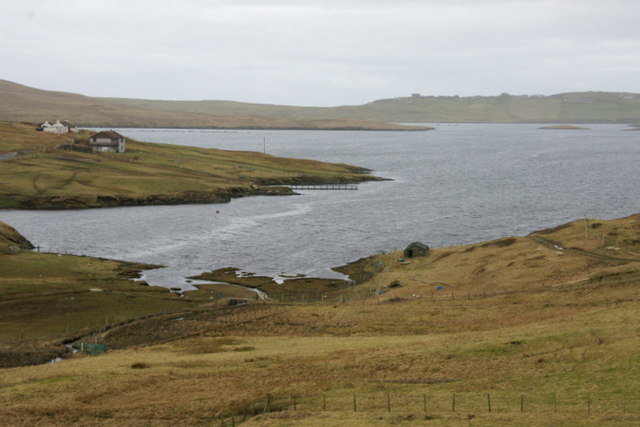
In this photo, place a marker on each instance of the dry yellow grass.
(555, 331)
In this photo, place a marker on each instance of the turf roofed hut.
(416, 249)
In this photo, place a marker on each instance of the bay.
(461, 183)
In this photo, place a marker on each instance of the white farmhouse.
(108, 140)
(58, 127)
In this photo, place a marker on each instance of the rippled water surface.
(458, 184)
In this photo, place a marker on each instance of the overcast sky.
(322, 52)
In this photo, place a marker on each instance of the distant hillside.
(579, 107)
(23, 103)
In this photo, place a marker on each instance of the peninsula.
(42, 170)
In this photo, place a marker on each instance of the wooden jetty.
(325, 187)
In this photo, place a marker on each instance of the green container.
(92, 349)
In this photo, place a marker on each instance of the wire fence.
(443, 403)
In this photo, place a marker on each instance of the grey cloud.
(320, 52)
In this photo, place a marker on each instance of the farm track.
(41, 191)
(553, 245)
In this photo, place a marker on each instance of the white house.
(108, 140)
(58, 127)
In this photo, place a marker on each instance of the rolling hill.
(575, 107)
(20, 103)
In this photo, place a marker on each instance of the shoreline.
(370, 271)
(265, 188)
(163, 199)
(298, 287)
(390, 128)
(46, 176)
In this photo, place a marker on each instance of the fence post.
(295, 406)
(267, 405)
(588, 404)
(555, 403)
(355, 403)
(489, 402)
(388, 402)
(453, 403)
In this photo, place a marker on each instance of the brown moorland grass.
(576, 107)
(20, 103)
(23, 103)
(548, 335)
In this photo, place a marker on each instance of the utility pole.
(586, 228)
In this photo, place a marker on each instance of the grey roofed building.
(110, 141)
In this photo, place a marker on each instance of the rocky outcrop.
(11, 241)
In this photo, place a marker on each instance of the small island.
(563, 127)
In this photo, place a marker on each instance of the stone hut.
(416, 249)
(108, 141)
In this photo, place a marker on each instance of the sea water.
(461, 183)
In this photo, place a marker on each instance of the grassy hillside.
(535, 330)
(48, 299)
(43, 175)
(567, 107)
(22, 103)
